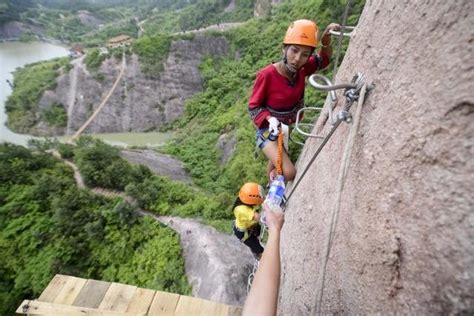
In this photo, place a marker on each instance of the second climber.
(246, 225)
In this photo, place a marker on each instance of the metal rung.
(297, 141)
(297, 123)
(329, 86)
(351, 28)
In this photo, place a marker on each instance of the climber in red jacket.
(278, 91)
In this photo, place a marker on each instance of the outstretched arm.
(263, 296)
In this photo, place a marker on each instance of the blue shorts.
(261, 137)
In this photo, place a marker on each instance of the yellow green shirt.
(244, 216)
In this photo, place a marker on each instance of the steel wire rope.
(343, 170)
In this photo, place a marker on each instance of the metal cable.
(343, 170)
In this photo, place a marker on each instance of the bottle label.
(279, 191)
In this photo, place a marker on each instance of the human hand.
(326, 34)
(332, 27)
(274, 217)
(273, 125)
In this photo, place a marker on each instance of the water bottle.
(274, 196)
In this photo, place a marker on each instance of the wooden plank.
(163, 304)
(212, 308)
(53, 289)
(141, 301)
(91, 294)
(117, 297)
(46, 308)
(188, 306)
(222, 310)
(70, 290)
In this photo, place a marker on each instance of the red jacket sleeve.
(257, 101)
(325, 59)
(316, 62)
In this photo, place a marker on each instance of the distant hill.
(91, 22)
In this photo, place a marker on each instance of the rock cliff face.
(139, 103)
(217, 265)
(11, 30)
(403, 241)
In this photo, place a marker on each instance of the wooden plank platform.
(68, 295)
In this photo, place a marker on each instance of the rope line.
(279, 166)
(343, 171)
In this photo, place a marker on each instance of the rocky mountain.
(403, 238)
(139, 103)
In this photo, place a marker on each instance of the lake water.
(12, 56)
(16, 54)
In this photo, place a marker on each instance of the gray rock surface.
(88, 19)
(404, 236)
(139, 103)
(11, 30)
(230, 7)
(264, 7)
(161, 164)
(217, 265)
(226, 144)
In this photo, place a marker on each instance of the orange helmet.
(251, 193)
(302, 32)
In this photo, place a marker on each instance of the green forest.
(93, 22)
(50, 226)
